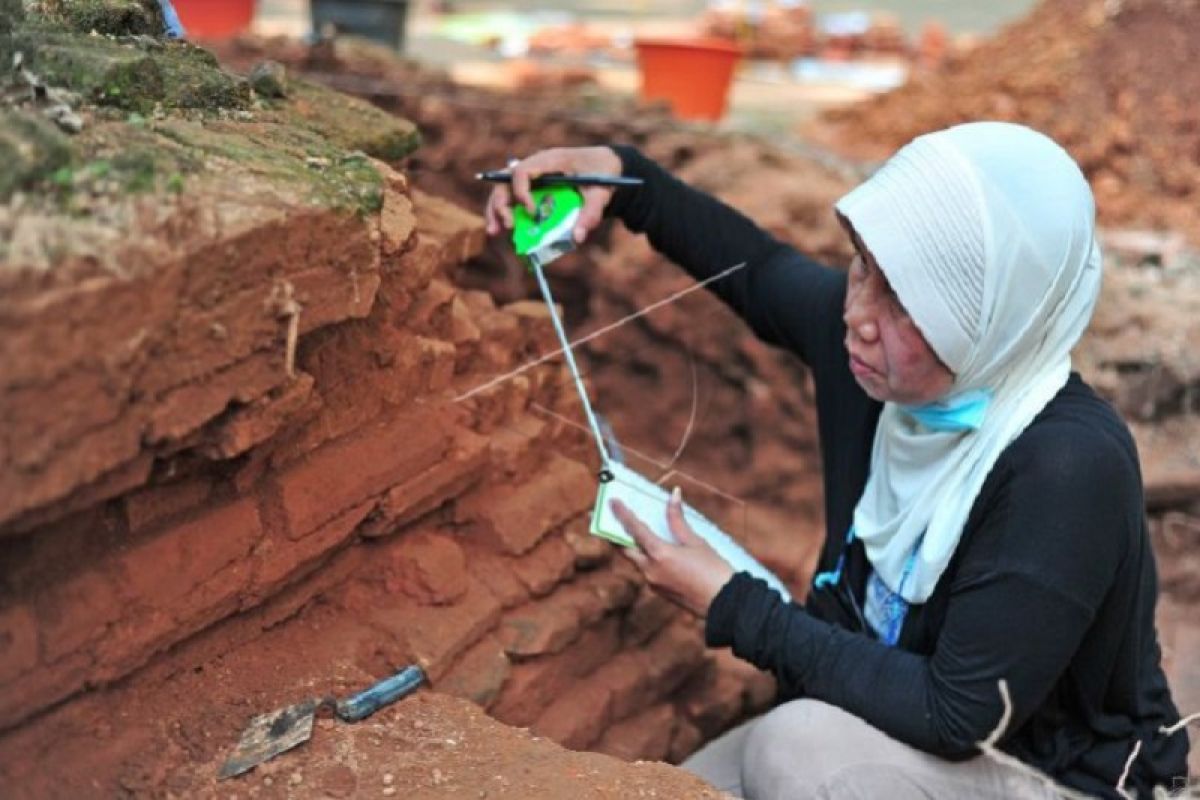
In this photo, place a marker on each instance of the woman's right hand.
(568, 160)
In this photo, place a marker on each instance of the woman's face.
(889, 357)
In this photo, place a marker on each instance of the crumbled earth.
(1113, 82)
(167, 732)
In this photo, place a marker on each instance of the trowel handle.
(368, 701)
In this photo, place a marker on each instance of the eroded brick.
(76, 613)
(157, 503)
(534, 684)
(480, 674)
(578, 717)
(462, 466)
(548, 564)
(167, 570)
(437, 635)
(347, 471)
(645, 736)
(515, 519)
(429, 568)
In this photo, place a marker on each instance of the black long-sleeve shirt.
(1052, 587)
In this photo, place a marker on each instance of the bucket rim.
(700, 43)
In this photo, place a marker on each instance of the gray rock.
(269, 79)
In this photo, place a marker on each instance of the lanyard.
(579, 387)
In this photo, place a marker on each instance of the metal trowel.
(268, 735)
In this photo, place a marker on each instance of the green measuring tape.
(548, 233)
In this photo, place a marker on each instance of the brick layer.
(239, 481)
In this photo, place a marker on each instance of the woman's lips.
(860, 367)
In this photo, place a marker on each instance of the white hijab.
(986, 233)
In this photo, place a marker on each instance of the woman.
(984, 507)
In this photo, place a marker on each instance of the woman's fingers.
(679, 527)
(523, 172)
(595, 198)
(568, 160)
(498, 211)
(647, 542)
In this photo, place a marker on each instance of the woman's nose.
(860, 320)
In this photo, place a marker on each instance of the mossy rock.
(172, 131)
(31, 149)
(114, 17)
(132, 75)
(350, 122)
(287, 155)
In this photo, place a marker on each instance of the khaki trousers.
(810, 749)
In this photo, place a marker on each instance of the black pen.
(562, 179)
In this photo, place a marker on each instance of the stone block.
(462, 466)
(648, 615)
(241, 429)
(550, 624)
(437, 359)
(590, 551)
(645, 736)
(535, 684)
(89, 458)
(515, 519)
(578, 717)
(495, 572)
(365, 464)
(397, 224)
(183, 410)
(514, 446)
(655, 672)
(543, 627)
(76, 613)
(430, 313)
(427, 567)
(170, 570)
(548, 564)
(281, 560)
(480, 674)
(156, 504)
(436, 635)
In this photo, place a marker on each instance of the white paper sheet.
(649, 502)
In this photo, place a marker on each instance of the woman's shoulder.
(1077, 428)
(1069, 483)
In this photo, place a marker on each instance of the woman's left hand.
(689, 573)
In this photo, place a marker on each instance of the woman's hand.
(568, 160)
(690, 573)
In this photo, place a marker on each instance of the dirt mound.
(1113, 82)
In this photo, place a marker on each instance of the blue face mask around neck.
(957, 414)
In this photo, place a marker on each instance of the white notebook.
(649, 502)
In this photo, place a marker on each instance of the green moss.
(115, 17)
(31, 149)
(165, 123)
(288, 155)
(350, 122)
(134, 76)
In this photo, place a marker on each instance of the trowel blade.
(268, 735)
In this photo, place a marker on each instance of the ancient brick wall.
(219, 480)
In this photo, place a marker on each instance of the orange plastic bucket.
(693, 75)
(215, 19)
